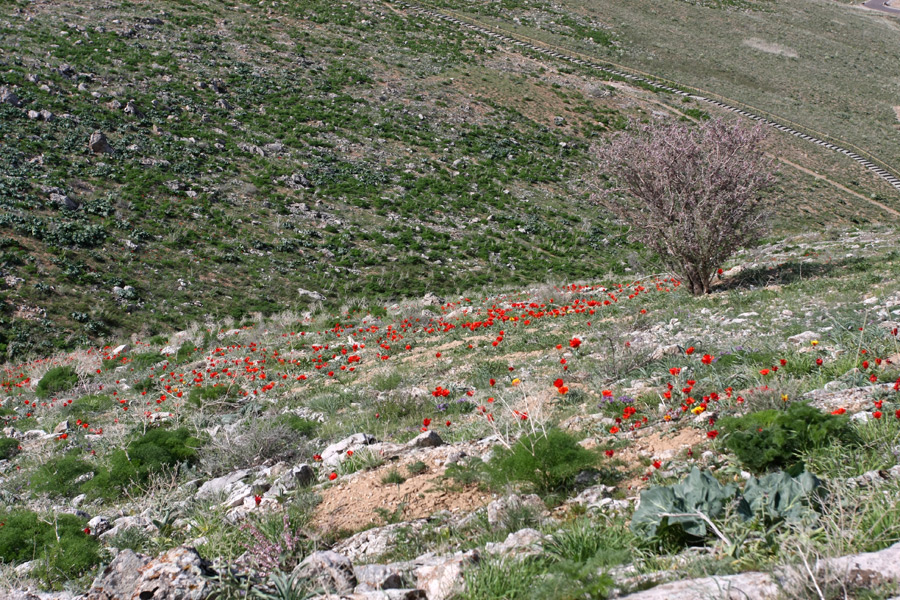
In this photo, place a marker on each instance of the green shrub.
(58, 475)
(201, 395)
(57, 379)
(549, 463)
(8, 448)
(773, 439)
(299, 425)
(93, 403)
(59, 543)
(156, 450)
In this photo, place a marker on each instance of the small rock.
(99, 525)
(427, 439)
(62, 427)
(64, 201)
(522, 543)
(378, 577)
(7, 96)
(803, 338)
(98, 144)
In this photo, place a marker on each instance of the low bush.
(59, 476)
(157, 450)
(8, 448)
(59, 544)
(546, 462)
(57, 379)
(774, 439)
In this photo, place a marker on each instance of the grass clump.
(57, 379)
(59, 543)
(774, 439)
(546, 462)
(392, 477)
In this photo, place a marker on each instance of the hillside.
(261, 158)
(310, 300)
(221, 435)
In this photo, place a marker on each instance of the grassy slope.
(794, 59)
(431, 163)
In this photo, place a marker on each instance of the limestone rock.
(98, 144)
(333, 454)
(745, 586)
(179, 574)
(519, 544)
(328, 569)
(427, 439)
(446, 579)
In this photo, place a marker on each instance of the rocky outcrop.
(179, 574)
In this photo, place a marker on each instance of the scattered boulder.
(179, 574)
(328, 569)
(310, 294)
(370, 543)
(522, 543)
(121, 349)
(744, 586)
(98, 143)
(7, 96)
(433, 300)
(99, 525)
(445, 579)
(427, 439)
(64, 201)
(332, 455)
(803, 338)
(377, 577)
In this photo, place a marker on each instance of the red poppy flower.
(657, 464)
(609, 453)
(333, 476)
(712, 434)
(707, 359)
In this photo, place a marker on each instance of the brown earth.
(351, 504)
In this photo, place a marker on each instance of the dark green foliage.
(57, 379)
(58, 475)
(8, 448)
(773, 439)
(298, 425)
(548, 462)
(699, 492)
(59, 542)
(155, 451)
(91, 404)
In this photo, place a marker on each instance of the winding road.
(882, 6)
(562, 54)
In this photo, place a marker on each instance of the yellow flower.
(697, 410)
(784, 397)
(516, 381)
(815, 342)
(667, 418)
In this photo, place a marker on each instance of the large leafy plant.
(684, 513)
(682, 510)
(774, 439)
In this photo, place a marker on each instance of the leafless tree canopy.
(692, 194)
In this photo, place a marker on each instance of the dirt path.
(882, 6)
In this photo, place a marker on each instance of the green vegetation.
(775, 439)
(58, 543)
(546, 462)
(56, 380)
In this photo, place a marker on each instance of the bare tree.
(692, 194)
